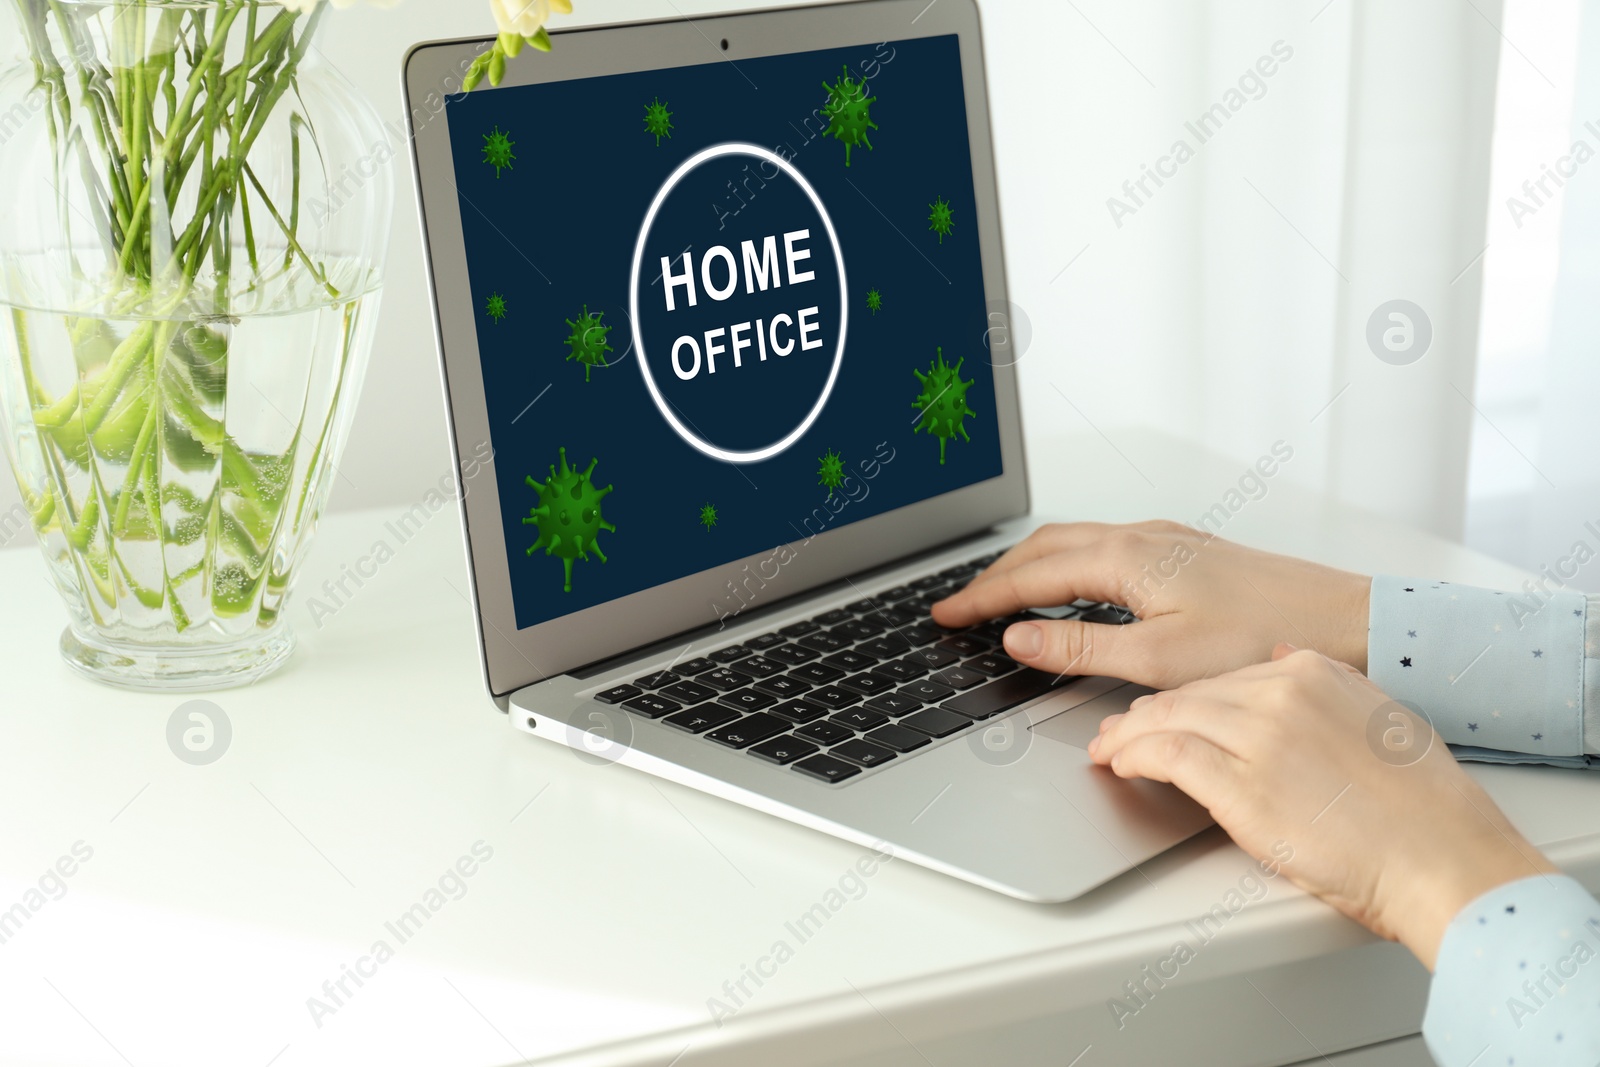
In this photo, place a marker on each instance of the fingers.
(1219, 721)
(1199, 768)
(1068, 646)
(1059, 578)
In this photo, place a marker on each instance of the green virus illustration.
(568, 515)
(588, 341)
(658, 120)
(849, 112)
(830, 471)
(708, 516)
(496, 307)
(497, 151)
(939, 220)
(943, 402)
(874, 300)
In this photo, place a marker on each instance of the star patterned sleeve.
(1517, 980)
(1500, 675)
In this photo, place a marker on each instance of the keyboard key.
(617, 694)
(965, 644)
(928, 692)
(860, 719)
(793, 655)
(764, 642)
(724, 679)
(861, 607)
(959, 571)
(900, 671)
(747, 700)
(817, 673)
(831, 696)
(781, 750)
(889, 596)
(894, 617)
(957, 678)
(995, 630)
(832, 618)
(932, 581)
(850, 660)
(699, 720)
(656, 680)
(888, 646)
(1111, 616)
(898, 738)
(783, 686)
(730, 654)
(893, 704)
(827, 768)
(932, 658)
(698, 665)
(935, 722)
(760, 667)
(748, 730)
(828, 733)
(798, 629)
(1002, 695)
(688, 692)
(652, 706)
(923, 633)
(992, 664)
(857, 630)
(825, 642)
(799, 711)
(868, 685)
(863, 752)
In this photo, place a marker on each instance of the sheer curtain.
(1535, 485)
(1231, 305)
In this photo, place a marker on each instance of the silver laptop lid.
(720, 306)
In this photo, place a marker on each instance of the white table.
(219, 898)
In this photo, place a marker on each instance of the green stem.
(316, 273)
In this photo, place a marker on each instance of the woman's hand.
(1384, 825)
(1206, 605)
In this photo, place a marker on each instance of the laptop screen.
(722, 309)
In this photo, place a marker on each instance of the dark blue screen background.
(557, 230)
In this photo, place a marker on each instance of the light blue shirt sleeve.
(1503, 677)
(1517, 979)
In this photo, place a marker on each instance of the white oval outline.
(695, 441)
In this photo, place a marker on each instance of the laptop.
(721, 310)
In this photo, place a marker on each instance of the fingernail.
(1025, 640)
(1147, 698)
(1094, 743)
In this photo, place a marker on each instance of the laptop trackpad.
(1077, 725)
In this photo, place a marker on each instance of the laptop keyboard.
(873, 682)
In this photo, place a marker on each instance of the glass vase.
(190, 265)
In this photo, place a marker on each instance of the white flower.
(526, 17)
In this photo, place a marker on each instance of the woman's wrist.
(1440, 887)
(1354, 610)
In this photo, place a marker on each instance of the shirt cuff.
(1491, 670)
(1517, 979)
